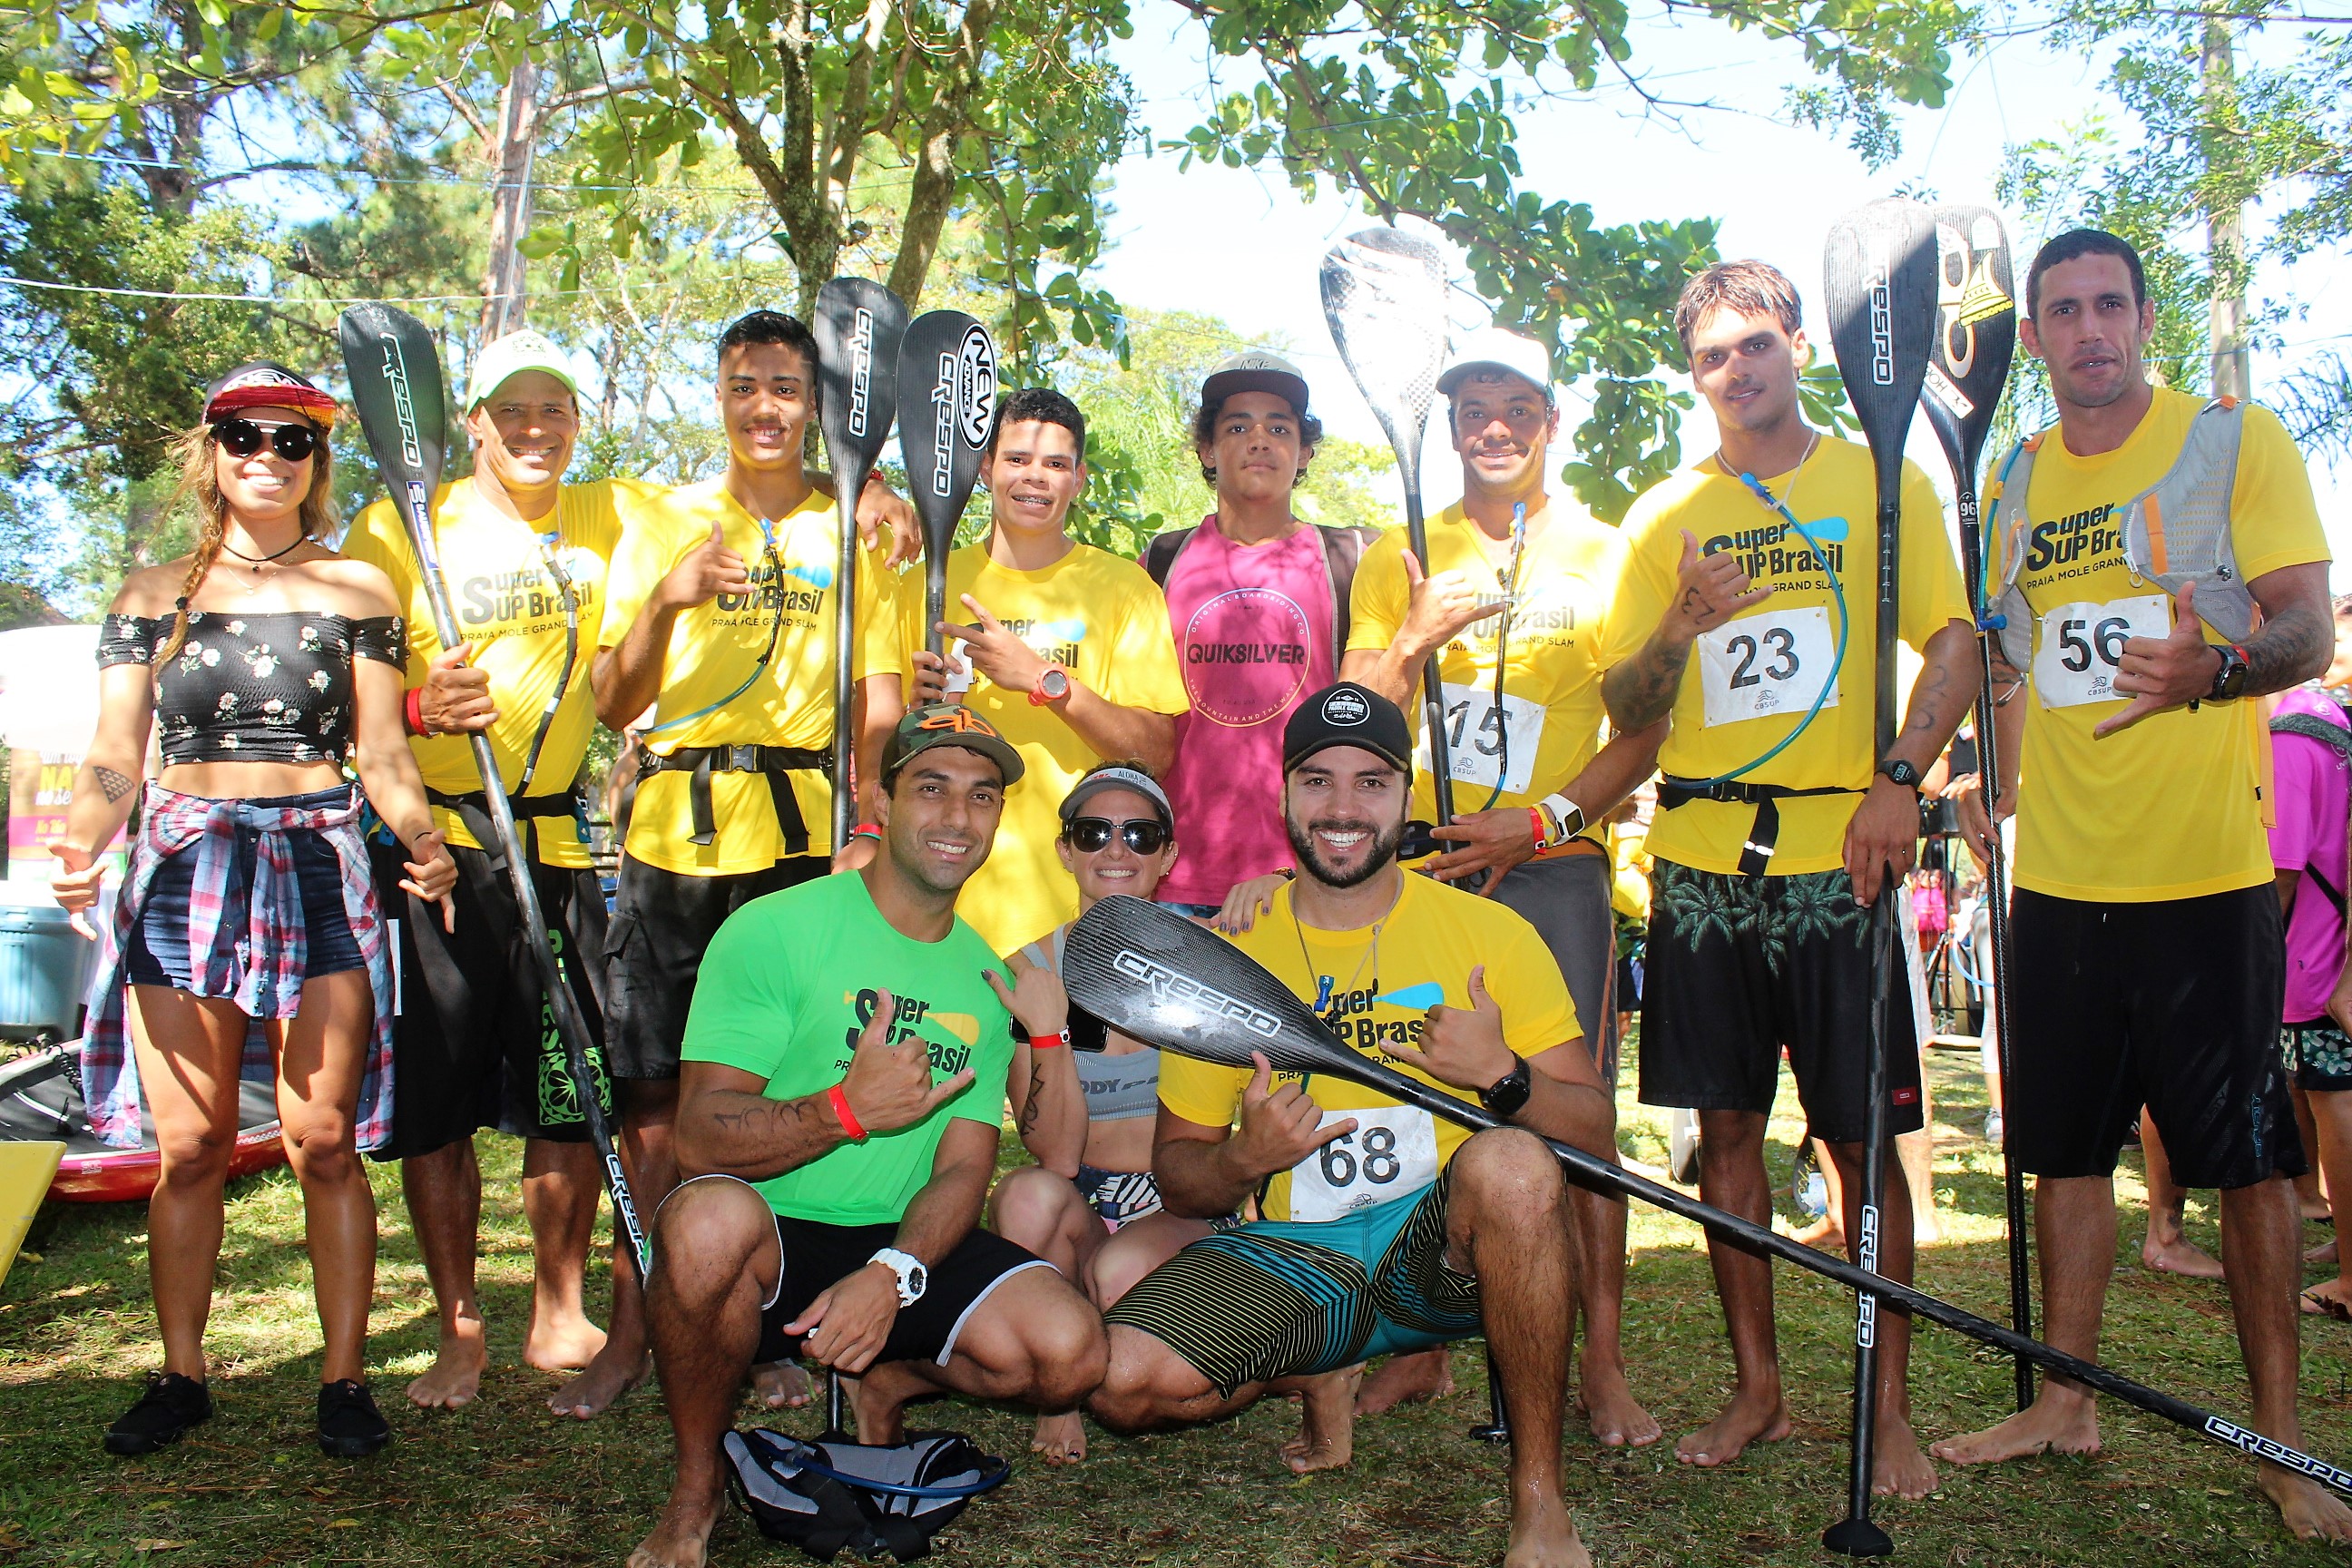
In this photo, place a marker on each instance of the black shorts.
(2173, 1004)
(2319, 1056)
(1566, 899)
(157, 952)
(475, 1044)
(1740, 967)
(662, 924)
(815, 1257)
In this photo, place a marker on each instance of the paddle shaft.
(1432, 684)
(851, 480)
(2013, 1180)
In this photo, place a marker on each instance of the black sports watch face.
(2230, 680)
(1900, 772)
(1509, 1092)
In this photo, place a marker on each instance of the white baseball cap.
(510, 355)
(1492, 347)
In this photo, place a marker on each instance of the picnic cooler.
(46, 965)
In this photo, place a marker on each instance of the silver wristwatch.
(913, 1278)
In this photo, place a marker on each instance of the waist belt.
(473, 809)
(702, 762)
(1764, 833)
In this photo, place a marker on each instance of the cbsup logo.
(1346, 708)
(1168, 985)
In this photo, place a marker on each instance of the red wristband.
(1536, 821)
(849, 1123)
(412, 711)
(1054, 1041)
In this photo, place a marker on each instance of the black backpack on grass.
(833, 1493)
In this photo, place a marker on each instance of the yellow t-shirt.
(512, 611)
(1103, 619)
(713, 647)
(1549, 725)
(1374, 985)
(2170, 808)
(1751, 680)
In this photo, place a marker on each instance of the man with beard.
(843, 1080)
(2147, 928)
(1530, 774)
(1384, 1229)
(1779, 825)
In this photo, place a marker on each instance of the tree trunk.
(2225, 236)
(503, 285)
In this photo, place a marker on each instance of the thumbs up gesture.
(1461, 1046)
(2158, 673)
(708, 570)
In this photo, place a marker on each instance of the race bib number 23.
(2082, 647)
(1767, 664)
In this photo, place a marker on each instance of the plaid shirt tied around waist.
(247, 944)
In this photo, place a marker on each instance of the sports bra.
(255, 686)
(1118, 1088)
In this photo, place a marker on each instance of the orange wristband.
(849, 1123)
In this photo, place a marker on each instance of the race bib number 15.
(1767, 664)
(1392, 1151)
(1482, 738)
(2082, 647)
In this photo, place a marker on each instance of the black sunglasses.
(243, 439)
(1089, 834)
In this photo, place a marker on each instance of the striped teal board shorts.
(1287, 1299)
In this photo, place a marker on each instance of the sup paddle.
(1385, 301)
(1878, 272)
(396, 374)
(947, 404)
(1976, 338)
(858, 326)
(1155, 976)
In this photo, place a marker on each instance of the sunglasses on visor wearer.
(1091, 834)
(243, 439)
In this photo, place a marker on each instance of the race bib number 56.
(1767, 664)
(1392, 1151)
(2082, 647)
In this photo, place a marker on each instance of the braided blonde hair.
(199, 487)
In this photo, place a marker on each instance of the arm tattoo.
(116, 785)
(1641, 691)
(1033, 1107)
(2293, 647)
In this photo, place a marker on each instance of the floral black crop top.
(273, 685)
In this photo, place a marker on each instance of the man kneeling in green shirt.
(838, 1106)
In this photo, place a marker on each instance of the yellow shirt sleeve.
(1376, 604)
(880, 644)
(1932, 591)
(1524, 981)
(2273, 519)
(647, 550)
(378, 538)
(1645, 577)
(1143, 670)
(1201, 1092)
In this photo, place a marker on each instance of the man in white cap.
(1257, 600)
(1512, 602)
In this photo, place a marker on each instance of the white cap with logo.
(511, 355)
(1493, 349)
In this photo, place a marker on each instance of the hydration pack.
(833, 1493)
(2174, 532)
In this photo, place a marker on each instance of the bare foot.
(560, 1344)
(781, 1385)
(1060, 1439)
(1611, 1413)
(681, 1537)
(1897, 1467)
(455, 1374)
(2179, 1256)
(2323, 1253)
(1744, 1421)
(877, 1404)
(2071, 1427)
(1825, 1235)
(1327, 1421)
(1546, 1540)
(1405, 1379)
(2304, 1506)
(609, 1375)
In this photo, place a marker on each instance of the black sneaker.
(170, 1406)
(349, 1426)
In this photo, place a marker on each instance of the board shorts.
(157, 951)
(1740, 967)
(813, 1256)
(662, 924)
(475, 1044)
(1288, 1298)
(2319, 1055)
(1566, 899)
(1118, 1197)
(2173, 1004)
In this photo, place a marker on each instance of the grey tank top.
(1118, 1088)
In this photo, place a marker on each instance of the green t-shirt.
(787, 985)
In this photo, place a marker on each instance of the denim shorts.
(158, 949)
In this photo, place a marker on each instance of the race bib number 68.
(1392, 1152)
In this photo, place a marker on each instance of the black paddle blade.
(1879, 273)
(403, 402)
(1384, 299)
(1154, 975)
(947, 402)
(1976, 334)
(859, 327)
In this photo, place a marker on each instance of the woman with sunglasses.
(1089, 1205)
(247, 942)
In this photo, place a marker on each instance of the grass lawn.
(505, 1482)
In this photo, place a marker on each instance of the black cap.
(1347, 714)
(949, 724)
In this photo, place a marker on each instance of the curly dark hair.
(1205, 432)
